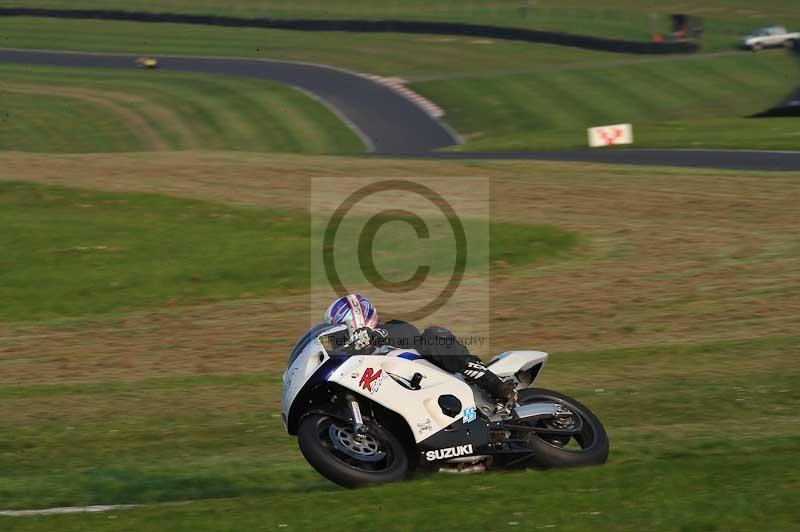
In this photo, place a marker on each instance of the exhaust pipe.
(536, 410)
(463, 469)
(468, 459)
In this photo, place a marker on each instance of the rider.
(436, 344)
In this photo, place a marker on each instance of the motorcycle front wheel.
(574, 438)
(351, 460)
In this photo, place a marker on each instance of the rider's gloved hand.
(360, 338)
(363, 337)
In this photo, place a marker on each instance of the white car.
(771, 37)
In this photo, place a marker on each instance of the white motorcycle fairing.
(385, 379)
(524, 365)
(438, 407)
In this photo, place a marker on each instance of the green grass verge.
(722, 133)
(51, 109)
(689, 103)
(725, 20)
(70, 252)
(703, 437)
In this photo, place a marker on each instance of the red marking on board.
(368, 378)
(610, 136)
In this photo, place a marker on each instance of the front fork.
(355, 413)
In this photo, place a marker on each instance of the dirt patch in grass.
(276, 181)
(670, 256)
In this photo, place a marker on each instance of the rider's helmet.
(353, 309)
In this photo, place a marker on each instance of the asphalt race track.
(392, 125)
(787, 161)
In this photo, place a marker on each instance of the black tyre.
(577, 439)
(332, 448)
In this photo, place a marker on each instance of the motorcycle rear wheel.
(331, 447)
(551, 451)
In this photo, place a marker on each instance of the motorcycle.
(369, 419)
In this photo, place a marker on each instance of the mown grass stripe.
(273, 120)
(63, 124)
(182, 111)
(544, 110)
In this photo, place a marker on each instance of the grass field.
(218, 438)
(725, 20)
(150, 298)
(145, 250)
(50, 109)
(676, 320)
(691, 103)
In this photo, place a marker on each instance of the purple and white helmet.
(353, 309)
